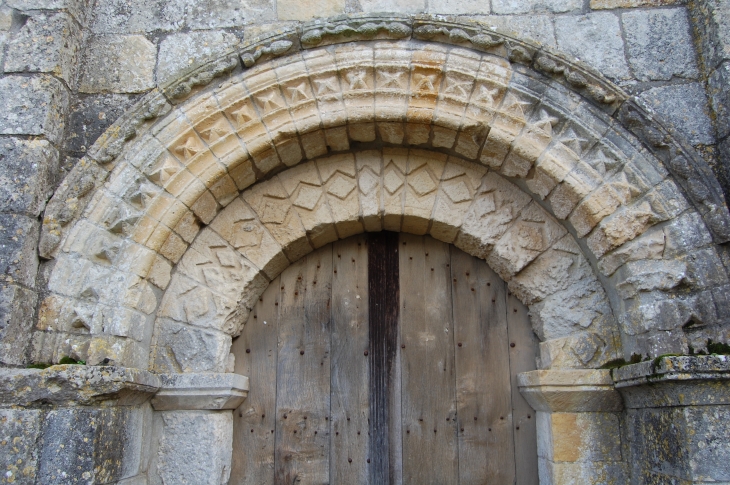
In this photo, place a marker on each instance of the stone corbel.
(579, 437)
(200, 391)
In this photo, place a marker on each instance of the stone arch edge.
(687, 167)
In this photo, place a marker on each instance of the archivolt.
(591, 204)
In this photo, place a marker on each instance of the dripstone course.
(659, 44)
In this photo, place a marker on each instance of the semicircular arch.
(639, 215)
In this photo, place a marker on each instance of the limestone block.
(340, 179)
(527, 6)
(596, 40)
(219, 14)
(89, 445)
(460, 182)
(20, 430)
(422, 182)
(535, 27)
(582, 349)
(182, 348)
(78, 8)
(650, 245)
(200, 391)
(704, 269)
(47, 43)
(685, 107)
(659, 44)
(194, 447)
(180, 53)
(304, 188)
(19, 258)
(590, 473)
(118, 64)
(369, 182)
(17, 311)
(533, 232)
(398, 6)
(583, 437)
(270, 202)
(649, 275)
(289, 10)
(32, 106)
(497, 204)
(29, 167)
(240, 227)
(712, 18)
(717, 87)
(137, 16)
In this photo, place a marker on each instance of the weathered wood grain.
(254, 422)
(522, 359)
(429, 401)
(350, 410)
(486, 453)
(303, 373)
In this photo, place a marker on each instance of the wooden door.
(385, 359)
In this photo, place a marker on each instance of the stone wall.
(71, 68)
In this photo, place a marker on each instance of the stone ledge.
(76, 385)
(200, 391)
(570, 391)
(675, 381)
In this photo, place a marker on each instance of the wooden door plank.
(428, 379)
(486, 453)
(350, 412)
(384, 390)
(303, 373)
(522, 359)
(254, 421)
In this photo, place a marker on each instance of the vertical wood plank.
(254, 421)
(384, 395)
(303, 373)
(428, 380)
(350, 412)
(486, 452)
(522, 359)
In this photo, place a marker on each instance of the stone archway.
(183, 211)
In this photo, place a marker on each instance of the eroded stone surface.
(119, 64)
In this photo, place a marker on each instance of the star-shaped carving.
(546, 122)
(325, 86)
(487, 95)
(242, 115)
(164, 170)
(268, 102)
(298, 92)
(424, 82)
(356, 79)
(390, 79)
(216, 131)
(189, 148)
(459, 88)
(573, 141)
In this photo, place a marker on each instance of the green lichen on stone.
(68, 360)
